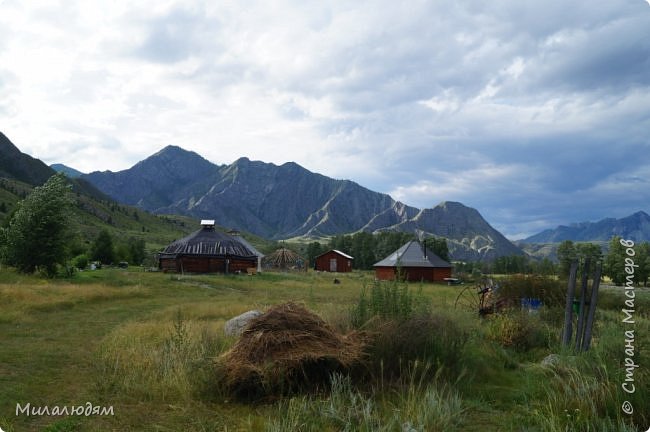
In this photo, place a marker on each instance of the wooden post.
(568, 307)
(581, 311)
(586, 343)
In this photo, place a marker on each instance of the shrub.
(80, 261)
(436, 341)
(550, 291)
(518, 330)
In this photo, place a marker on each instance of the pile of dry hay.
(288, 349)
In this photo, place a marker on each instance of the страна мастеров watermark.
(629, 310)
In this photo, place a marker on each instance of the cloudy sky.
(536, 114)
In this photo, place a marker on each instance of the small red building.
(334, 261)
(413, 262)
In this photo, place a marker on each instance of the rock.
(551, 360)
(235, 326)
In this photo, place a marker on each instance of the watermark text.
(629, 311)
(88, 409)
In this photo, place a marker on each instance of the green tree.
(546, 267)
(439, 247)
(37, 232)
(591, 250)
(642, 259)
(614, 265)
(566, 254)
(313, 250)
(103, 249)
(136, 250)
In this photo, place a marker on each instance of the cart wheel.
(475, 298)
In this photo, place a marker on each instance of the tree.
(614, 265)
(546, 267)
(37, 232)
(136, 250)
(439, 247)
(102, 249)
(313, 250)
(642, 259)
(591, 250)
(566, 254)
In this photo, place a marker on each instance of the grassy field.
(145, 343)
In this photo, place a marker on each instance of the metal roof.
(412, 255)
(208, 242)
(343, 254)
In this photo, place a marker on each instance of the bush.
(80, 261)
(518, 330)
(550, 291)
(434, 341)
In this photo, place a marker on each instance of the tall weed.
(420, 408)
(388, 300)
(160, 361)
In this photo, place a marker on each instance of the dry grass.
(158, 360)
(17, 301)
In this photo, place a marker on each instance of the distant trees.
(511, 264)
(102, 249)
(107, 250)
(313, 250)
(568, 252)
(367, 248)
(615, 267)
(35, 237)
(439, 247)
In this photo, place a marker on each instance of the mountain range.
(634, 227)
(288, 201)
(93, 211)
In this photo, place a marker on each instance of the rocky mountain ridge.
(288, 201)
(634, 227)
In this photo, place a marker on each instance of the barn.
(207, 251)
(415, 263)
(334, 261)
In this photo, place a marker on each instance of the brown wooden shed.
(334, 261)
(207, 251)
(414, 263)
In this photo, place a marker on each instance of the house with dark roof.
(333, 261)
(207, 251)
(413, 262)
(236, 234)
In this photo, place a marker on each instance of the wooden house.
(334, 261)
(413, 262)
(207, 251)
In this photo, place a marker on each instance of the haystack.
(288, 349)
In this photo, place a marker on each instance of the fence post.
(586, 343)
(568, 308)
(581, 311)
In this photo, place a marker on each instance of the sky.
(534, 113)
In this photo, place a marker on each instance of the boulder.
(236, 325)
